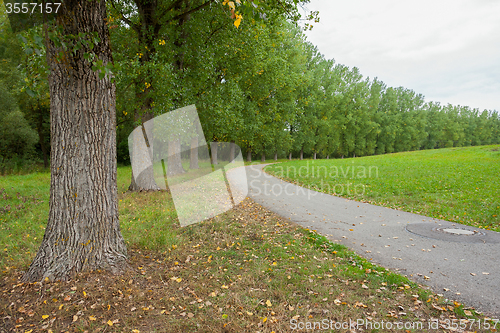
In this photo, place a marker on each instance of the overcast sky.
(447, 50)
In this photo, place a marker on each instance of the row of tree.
(262, 86)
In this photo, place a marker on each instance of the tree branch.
(126, 20)
(191, 11)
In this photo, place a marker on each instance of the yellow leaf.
(249, 313)
(92, 318)
(237, 22)
(110, 323)
(224, 286)
(264, 320)
(61, 306)
(84, 294)
(135, 331)
(75, 318)
(28, 331)
(45, 316)
(238, 1)
(268, 303)
(178, 280)
(231, 4)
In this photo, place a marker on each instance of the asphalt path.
(460, 262)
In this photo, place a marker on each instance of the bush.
(17, 138)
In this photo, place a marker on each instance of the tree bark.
(301, 154)
(290, 156)
(275, 156)
(193, 161)
(83, 230)
(314, 155)
(174, 161)
(232, 147)
(249, 155)
(213, 151)
(263, 157)
(327, 157)
(145, 181)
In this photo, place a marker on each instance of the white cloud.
(448, 50)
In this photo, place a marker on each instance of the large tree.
(83, 231)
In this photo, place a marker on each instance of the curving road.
(460, 262)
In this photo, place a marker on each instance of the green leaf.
(30, 92)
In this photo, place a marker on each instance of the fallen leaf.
(110, 323)
(75, 318)
(45, 316)
(473, 274)
(268, 303)
(92, 318)
(190, 315)
(467, 313)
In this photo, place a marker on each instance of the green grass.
(455, 184)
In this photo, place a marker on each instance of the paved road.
(465, 268)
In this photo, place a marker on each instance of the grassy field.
(247, 270)
(456, 184)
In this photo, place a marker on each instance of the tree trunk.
(327, 157)
(193, 161)
(213, 151)
(249, 155)
(290, 156)
(232, 147)
(174, 161)
(145, 181)
(263, 157)
(314, 155)
(301, 154)
(147, 34)
(275, 156)
(83, 230)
